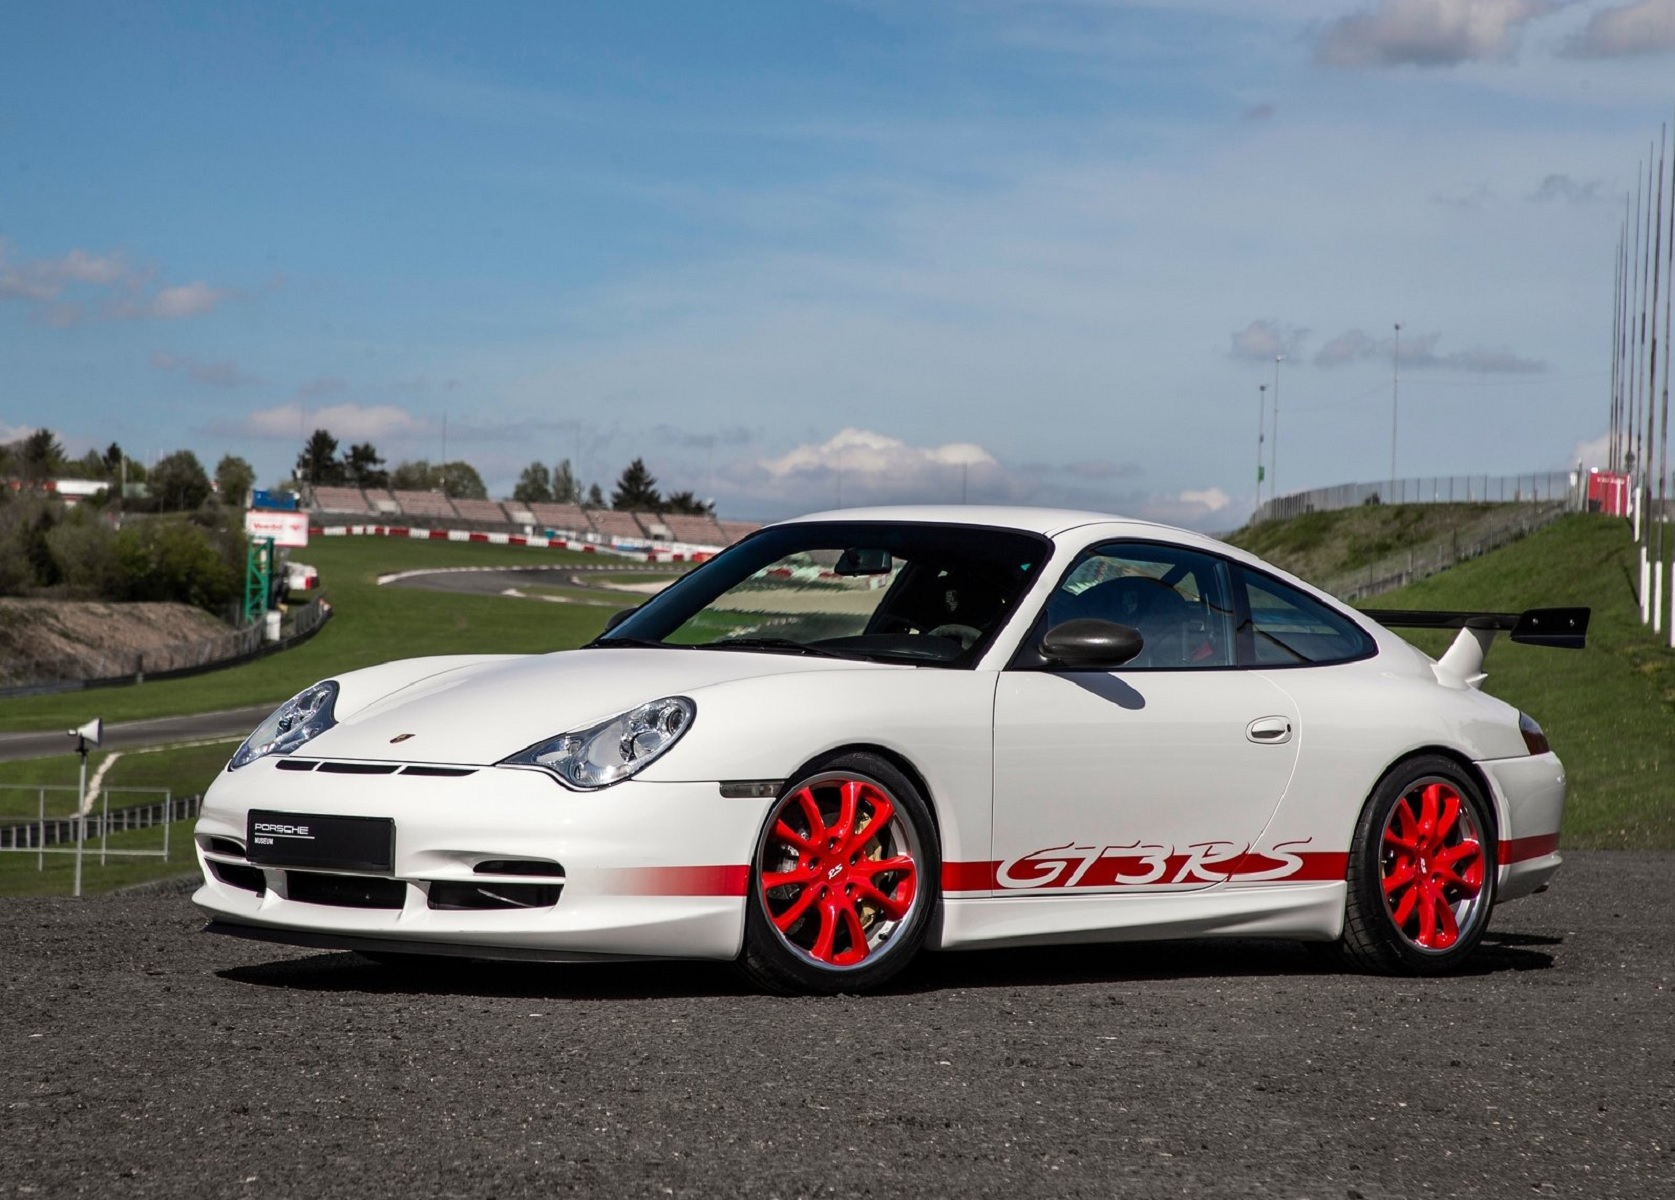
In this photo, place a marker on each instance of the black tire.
(824, 915)
(1421, 871)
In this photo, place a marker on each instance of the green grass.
(185, 770)
(372, 624)
(1321, 545)
(1609, 710)
(20, 877)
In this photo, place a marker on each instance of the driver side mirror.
(1086, 644)
(619, 616)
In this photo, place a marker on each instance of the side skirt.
(1308, 911)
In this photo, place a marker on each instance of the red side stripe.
(721, 880)
(969, 876)
(1516, 850)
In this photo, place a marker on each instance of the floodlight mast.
(86, 736)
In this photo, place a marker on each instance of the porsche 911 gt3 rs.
(860, 734)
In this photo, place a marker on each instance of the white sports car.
(859, 734)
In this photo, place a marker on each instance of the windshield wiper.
(606, 642)
(771, 643)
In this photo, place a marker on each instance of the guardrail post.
(41, 833)
(104, 823)
(168, 820)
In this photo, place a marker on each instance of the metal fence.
(59, 834)
(20, 674)
(1423, 561)
(1538, 488)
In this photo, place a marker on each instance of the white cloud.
(1262, 340)
(63, 291)
(346, 422)
(219, 374)
(173, 303)
(1419, 353)
(1427, 33)
(1565, 189)
(1645, 27)
(1594, 452)
(1194, 508)
(1352, 345)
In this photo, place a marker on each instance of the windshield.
(935, 594)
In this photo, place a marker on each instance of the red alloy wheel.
(1431, 865)
(839, 869)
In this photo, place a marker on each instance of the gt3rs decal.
(1140, 865)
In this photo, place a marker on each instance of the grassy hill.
(1324, 545)
(1609, 710)
(372, 625)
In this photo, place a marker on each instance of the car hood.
(479, 711)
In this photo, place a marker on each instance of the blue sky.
(792, 253)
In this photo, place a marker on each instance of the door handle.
(1269, 731)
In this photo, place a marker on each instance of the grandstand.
(341, 500)
(434, 510)
(480, 510)
(615, 526)
(561, 518)
(424, 504)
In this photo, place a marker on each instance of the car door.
(1158, 775)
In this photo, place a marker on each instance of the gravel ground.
(142, 1058)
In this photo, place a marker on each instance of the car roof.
(1049, 521)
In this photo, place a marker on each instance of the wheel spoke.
(1401, 877)
(893, 906)
(811, 809)
(822, 948)
(1447, 930)
(777, 879)
(883, 812)
(1429, 799)
(1450, 814)
(1403, 912)
(791, 837)
(794, 912)
(851, 920)
(1427, 916)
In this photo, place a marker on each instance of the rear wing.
(1462, 664)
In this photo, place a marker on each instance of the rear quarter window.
(1288, 628)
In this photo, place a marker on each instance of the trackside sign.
(285, 528)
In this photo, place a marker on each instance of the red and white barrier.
(657, 554)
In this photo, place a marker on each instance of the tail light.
(1533, 737)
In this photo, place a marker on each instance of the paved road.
(127, 735)
(495, 580)
(139, 1058)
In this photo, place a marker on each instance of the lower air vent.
(520, 866)
(219, 845)
(345, 891)
(249, 878)
(454, 897)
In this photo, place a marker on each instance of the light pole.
(1395, 400)
(1274, 446)
(1261, 426)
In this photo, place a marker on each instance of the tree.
(318, 463)
(113, 460)
(595, 498)
(42, 455)
(565, 488)
(686, 502)
(178, 482)
(457, 479)
(363, 467)
(636, 490)
(534, 485)
(233, 479)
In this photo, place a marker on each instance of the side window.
(1178, 599)
(1288, 628)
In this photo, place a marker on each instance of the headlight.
(612, 750)
(302, 718)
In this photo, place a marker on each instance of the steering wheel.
(965, 635)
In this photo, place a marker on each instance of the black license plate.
(310, 840)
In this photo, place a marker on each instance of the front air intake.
(345, 891)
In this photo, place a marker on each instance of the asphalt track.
(142, 1058)
(129, 735)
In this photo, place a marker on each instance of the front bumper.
(639, 870)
